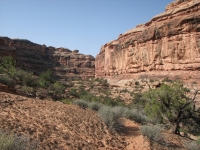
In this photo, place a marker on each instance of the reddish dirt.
(55, 125)
(134, 137)
(58, 126)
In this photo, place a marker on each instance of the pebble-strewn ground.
(57, 126)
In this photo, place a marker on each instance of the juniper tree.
(172, 103)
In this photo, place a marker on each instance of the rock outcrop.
(38, 58)
(168, 42)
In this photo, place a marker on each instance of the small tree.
(7, 62)
(58, 88)
(171, 103)
(46, 79)
(25, 78)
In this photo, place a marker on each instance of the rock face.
(168, 42)
(39, 58)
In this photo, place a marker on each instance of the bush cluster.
(111, 117)
(81, 103)
(194, 145)
(136, 115)
(153, 132)
(111, 114)
(11, 76)
(13, 142)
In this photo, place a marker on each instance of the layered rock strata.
(168, 42)
(38, 58)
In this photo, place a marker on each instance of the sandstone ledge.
(38, 58)
(168, 42)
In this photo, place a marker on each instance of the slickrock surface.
(38, 58)
(168, 43)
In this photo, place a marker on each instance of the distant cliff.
(168, 42)
(38, 58)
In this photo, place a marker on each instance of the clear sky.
(85, 25)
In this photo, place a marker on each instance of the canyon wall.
(38, 58)
(167, 43)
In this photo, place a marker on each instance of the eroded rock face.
(38, 58)
(168, 42)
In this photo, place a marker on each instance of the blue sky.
(85, 25)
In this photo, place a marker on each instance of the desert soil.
(59, 126)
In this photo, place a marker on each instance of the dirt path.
(134, 137)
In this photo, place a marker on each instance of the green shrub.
(27, 90)
(13, 142)
(5, 79)
(151, 80)
(7, 62)
(81, 103)
(2, 70)
(73, 92)
(94, 105)
(124, 91)
(46, 79)
(25, 78)
(135, 115)
(138, 101)
(171, 104)
(67, 101)
(198, 141)
(192, 145)
(109, 101)
(58, 88)
(102, 81)
(111, 117)
(89, 97)
(153, 132)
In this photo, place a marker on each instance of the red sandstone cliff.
(168, 42)
(38, 58)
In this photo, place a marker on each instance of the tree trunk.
(176, 128)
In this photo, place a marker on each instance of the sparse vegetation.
(151, 80)
(13, 142)
(95, 105)
(46, 79)
(27, 90)
(194, 145)
(5, 79)
(171, 104)
(153, 132)
(83, 104)
(67, 101)
(194, 82)
(168, 103)
(58, 88)
(135, 114)
(166, 79)
(111, 117)
(26, 81)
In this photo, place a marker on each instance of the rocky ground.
(59, 126)
(55, 125)
(124, 87)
